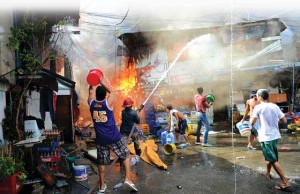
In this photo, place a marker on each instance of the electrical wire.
(123, 18)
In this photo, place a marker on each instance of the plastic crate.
(54, 145)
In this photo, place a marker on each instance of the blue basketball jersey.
(104, 123)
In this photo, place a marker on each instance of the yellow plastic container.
(169, 149)
(192, 129)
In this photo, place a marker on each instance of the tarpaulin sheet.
(149, 153)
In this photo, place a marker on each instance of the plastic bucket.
(244, 128)
(192, 129)
(169, 149)
(210, 98)
(163, 137)
(93, 77)
(170, 138)
(80, 172)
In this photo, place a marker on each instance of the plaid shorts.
(119, 148)
(269, 149)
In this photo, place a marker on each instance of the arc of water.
(169, 68)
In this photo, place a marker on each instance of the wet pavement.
(227, 167)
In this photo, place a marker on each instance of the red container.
(10, 185)
(93, 77)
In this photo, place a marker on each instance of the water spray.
(167, 71)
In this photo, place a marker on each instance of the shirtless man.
(250, 104)
(178, 122)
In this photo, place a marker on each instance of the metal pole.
(293, 87)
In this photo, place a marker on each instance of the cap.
(127, 102)
(253, 94)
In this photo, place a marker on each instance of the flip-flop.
(287, 189)
(102, 190)
(131, 186)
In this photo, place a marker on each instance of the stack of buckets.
(168, 142)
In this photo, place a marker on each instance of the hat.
(127, 102)
(253, 94)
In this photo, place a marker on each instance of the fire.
(127, 79)
(127, 87)
(125, 82)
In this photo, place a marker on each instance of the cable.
(123, 18)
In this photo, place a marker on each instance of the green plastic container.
(210, 98)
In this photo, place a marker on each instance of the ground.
(227, 167)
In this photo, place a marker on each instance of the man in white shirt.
(268, 115)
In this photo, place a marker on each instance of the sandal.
(287, 189)
(251, 148)
(102, 190)
(131, 186)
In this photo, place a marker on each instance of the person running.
(129, 118)
(201, 106)
(250, 104)
(178, 122)
(107, 134)
(268, 114)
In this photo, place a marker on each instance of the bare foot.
(268, 176)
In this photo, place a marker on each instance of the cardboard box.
(277, 98)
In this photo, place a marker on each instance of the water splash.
(170, 67)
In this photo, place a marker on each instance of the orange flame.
(128, 80)
(127, 87)
(125, 82)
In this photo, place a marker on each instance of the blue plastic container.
(159, 132)
(164, 137)
(170, 138)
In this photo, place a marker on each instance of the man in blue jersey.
(107, 134)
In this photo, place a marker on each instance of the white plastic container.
(244, 128)
(80, 172)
